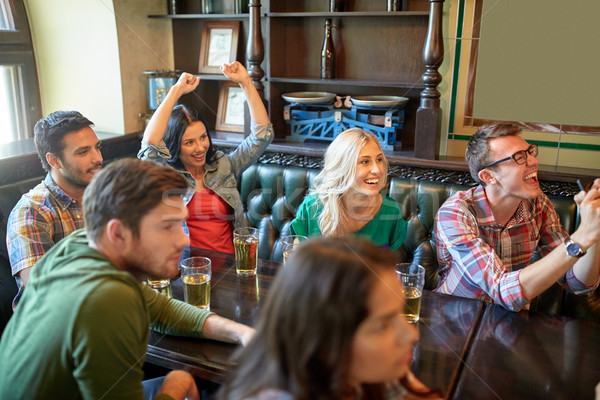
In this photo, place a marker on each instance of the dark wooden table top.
(447, 326)
(531, 356)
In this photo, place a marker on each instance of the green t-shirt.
(387, 229)
(81, 328)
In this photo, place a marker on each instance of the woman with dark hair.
(178, 136)
(331, 333)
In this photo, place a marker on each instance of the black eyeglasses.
(520, 157)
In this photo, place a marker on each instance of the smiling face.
(510, 178)
(370, 170)
(383, 343)
(80, 160)
(161, 240)
(194, 145)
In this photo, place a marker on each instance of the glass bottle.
(328, 53)
(336, 5)
(206, 6)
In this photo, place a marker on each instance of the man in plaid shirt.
(485, 236)
(70, 152)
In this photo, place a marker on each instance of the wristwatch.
(573, 249)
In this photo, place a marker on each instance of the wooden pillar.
(255, 49)
(429, 115)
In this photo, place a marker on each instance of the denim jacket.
(222, 174)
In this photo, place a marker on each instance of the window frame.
(16, 48)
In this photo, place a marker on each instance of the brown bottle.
(328, 54)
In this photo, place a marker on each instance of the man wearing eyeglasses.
(485, 236)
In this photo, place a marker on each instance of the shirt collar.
(483, 211)
(63, 199)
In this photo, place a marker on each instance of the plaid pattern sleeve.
(470, 263)
(480, 259)
(40, 219)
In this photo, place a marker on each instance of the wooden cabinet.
(377, 52)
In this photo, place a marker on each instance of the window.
(19, 93)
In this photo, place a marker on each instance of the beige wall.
(90, 55)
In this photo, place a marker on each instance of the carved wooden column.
(429, 115)
(255, 49)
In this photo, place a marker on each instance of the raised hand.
(236, 72)
(187, 83)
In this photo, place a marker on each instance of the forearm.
(587, 268)
(539, 276)
(157, 126)
(24, 275)
(258, 113)
(226, 330)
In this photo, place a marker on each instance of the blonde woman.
(347, 198)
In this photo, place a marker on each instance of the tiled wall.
(557, 148)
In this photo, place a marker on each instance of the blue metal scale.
(325, 122)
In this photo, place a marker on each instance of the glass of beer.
(412, 277)
(196, 275)
(161, 285)
(289, 244)
(245, 243)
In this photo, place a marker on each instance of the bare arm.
(540, 275)
(160, 119)
(237, 73)
(226, 330)
(180, 385)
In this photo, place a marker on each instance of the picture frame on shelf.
(230, 113)
(218, 45)
(160, 95)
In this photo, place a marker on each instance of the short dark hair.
(181, 117)
(304, 334)
(477, 153)
(50, 131)
(127, 190)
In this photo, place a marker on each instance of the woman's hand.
(236, 72)
(187, 83)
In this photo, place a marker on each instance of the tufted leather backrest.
(420, 201)
(9, 196)
(271, 195)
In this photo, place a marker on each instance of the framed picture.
(230, 114)
(218, 45)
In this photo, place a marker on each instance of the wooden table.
(447, 326)
(531, 356)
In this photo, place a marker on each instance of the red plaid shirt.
(481, 259)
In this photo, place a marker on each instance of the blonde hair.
(338, 175)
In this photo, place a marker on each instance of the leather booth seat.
(271, 195)
(9, 195)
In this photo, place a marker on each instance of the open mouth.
(198, 157)
(372, 182)
(531, 178)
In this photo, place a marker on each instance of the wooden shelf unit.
(377, 52)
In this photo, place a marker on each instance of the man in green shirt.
(81, 328)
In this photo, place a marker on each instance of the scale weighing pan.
(380, 101)
(309, 97)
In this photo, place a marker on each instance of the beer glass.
(161, 285)
(289, 244)
(412, 277)
(245, 243)
(196, 274)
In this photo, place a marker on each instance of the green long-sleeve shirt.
(81, 328)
